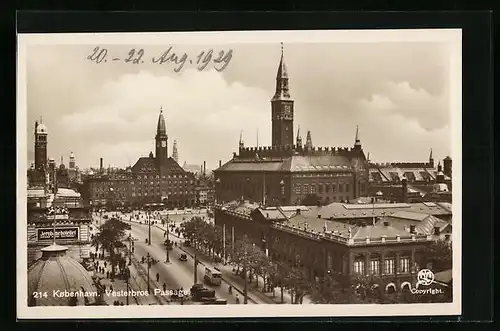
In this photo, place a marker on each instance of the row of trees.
(248, 258)
(109, 239)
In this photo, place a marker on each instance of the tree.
(110, 237)
(439, 253)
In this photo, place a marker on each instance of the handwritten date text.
(201, 60)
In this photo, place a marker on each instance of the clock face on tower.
(163, 143)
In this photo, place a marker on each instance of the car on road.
(201, 293)
(183, 257)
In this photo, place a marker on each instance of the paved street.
(176, 274)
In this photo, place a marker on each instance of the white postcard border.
(451, 36)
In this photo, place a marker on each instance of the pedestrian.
(105, 264)
(111, 288)
(157, 277)
(164, 287)
(107, 274)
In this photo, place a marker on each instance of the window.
(341, 187)
(374, 267)
(313, 188)
(359, 267)
(334, 188)
(347, 187)
(320, 188)
(389, 266)
(306, 189)
(327, 188)
(404, 264)
(297, 189)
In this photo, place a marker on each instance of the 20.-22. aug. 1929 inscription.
(201, 60)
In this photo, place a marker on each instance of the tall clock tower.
(161, 139)
(282, 108)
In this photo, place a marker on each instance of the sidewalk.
(119, 285)
(255, 292)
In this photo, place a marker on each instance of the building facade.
(420, 178)
(329, 248)
(64, 212)
(153, 179)
(288, 173)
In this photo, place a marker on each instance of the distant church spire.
(309, 144)
(299, 138)
(431, 160)
(241, 144)
(357, 141)
(175, 153)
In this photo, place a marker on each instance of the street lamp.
(168, 241)
(127, 275)
(148, 216)
(282, 191)
(130, 249)
(148, 261)
(217, 191)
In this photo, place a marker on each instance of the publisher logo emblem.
(425, 277)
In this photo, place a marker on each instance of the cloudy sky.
(398, 94)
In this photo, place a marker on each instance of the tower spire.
(431, 160)
(241, 144)
(357, 141)
(299, 138)
(282, 91)
(309, 144)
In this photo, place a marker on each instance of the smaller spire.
(241, 144)
(299, 138)
(309, 144)
(368, 157)
(357, 141)
(430, 155)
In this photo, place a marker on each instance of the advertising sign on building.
(62, 233)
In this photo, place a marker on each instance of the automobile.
(201, 293)
(183, 257)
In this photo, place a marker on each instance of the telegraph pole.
(224, 243)
(195, 267)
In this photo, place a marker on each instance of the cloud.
(203, 113)
(396, 92)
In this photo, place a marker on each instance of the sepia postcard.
(239, 174)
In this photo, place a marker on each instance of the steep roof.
(150, 165)
(295, 163)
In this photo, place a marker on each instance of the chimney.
(298, 211)
(386, 223)
(204, 168)
(412, 228)
(220, 163)
(100, 164)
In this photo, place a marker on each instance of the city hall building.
(289, 171)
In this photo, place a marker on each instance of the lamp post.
(127, 275)
(168, 240)
(282, 191)
(148, 216)
(217, 189)
(195, 261)
(245, 290)
(149, 265)
(130, 249)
